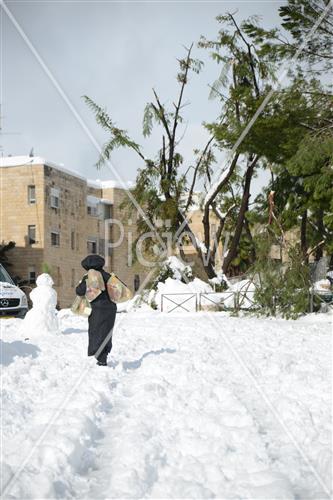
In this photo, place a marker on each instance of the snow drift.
(180, 412)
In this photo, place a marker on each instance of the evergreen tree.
(247, 81)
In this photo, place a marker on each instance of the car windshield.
(4, 276)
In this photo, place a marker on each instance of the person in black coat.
(103, 312)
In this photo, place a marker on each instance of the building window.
(55, 198)
(92, 205)
(73, 240)
(73, 278)
(107, 211)
(55, 239)
(31, 275)
(31, 194)
(92, 210)
(32, 234)
(136, 282)
(92, 246)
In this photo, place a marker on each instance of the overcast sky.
(115, 52)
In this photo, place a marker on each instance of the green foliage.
(308, 28)
(313, 166)
(278, 130)
(118, 137)
(242, 262)
(221, 287)
(303, 184)
(269, 277)
(46, 268)
(153, 114)
(185, 64)
(280, 288)
(294, 300)
(4, 248)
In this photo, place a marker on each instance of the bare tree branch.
(196, 168)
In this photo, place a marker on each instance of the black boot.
(101, 363)
(101, 360)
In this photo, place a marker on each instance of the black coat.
(103, 310)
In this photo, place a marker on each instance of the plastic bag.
(81, 306)
(94, 285)
(117, 290)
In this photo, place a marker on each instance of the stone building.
(57, 217)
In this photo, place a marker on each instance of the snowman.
(42, 318)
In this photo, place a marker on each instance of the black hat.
(93, 262)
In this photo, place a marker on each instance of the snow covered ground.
(192, 405)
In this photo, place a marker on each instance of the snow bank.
(16, 349)
(177, 289)
(242, 296)
(239, 294)
(322, 287)
(179, 292)
(175, 279)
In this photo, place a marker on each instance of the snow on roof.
(99, 184)
(94, 200)
(16, 161)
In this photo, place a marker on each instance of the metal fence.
(229, 301)
(192, 302)
(171, 298)
(325, 301)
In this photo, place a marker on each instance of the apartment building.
(57, 217)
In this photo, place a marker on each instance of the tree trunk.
(209, 268)
(249, 235)
(241, 216)
(213, 192)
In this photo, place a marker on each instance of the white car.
(13, 301)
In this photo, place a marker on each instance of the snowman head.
(44, 280)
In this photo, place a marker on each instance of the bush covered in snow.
(175, 269)
(220, 283)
